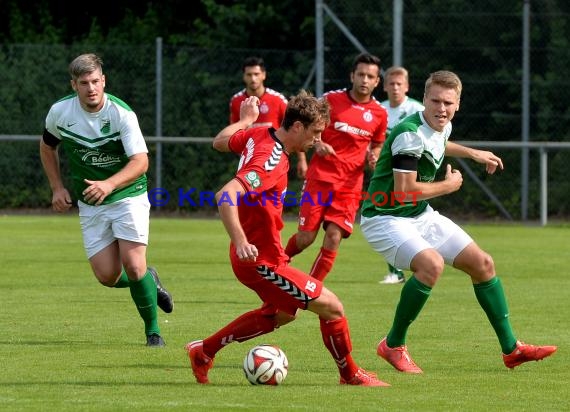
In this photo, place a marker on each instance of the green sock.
(412, 299)
(491, 297)
(143, 293)
(123, 281)
(393, 269)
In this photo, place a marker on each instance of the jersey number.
(311, 286)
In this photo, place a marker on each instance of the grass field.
(69, 344)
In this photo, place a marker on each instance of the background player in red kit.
(353, 138)
(272, 104)
(253, 221)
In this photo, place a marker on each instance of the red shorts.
(321, 203)
(283, 287)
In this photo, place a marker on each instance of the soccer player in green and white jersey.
(107, 154)
(399, 223)
(399, 106)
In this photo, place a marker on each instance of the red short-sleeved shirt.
(262, 171)
(353, 126)
(272, 105)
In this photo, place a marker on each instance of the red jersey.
(262, 171)
(353, 126)
(272, 107)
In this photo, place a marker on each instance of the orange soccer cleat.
(200, 362)
(363, 378)
(398, 357)
(526, 353)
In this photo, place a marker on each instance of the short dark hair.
(366, 58)
(253, 61)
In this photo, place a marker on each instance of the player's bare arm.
(489, 159)
(98, 190)
(228, 209)
(301, 165)
(249, 112)
(61, 200)
(405, 182)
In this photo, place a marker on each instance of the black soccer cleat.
(155, 341)
(163, 297)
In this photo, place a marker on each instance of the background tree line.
(202, 55)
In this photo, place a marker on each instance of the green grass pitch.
(69, 344)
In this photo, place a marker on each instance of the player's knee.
(487, 265)
(428, 270)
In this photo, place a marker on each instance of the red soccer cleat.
(398, 357)
(200, 362)
(526, 353)
(363, 378)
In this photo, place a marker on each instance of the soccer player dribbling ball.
(256, 254)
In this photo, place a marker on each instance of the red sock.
(247, 326)
(323, 264)
(291, 249)
(336, 337)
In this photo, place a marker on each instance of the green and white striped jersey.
(411, 137)
(98, 145)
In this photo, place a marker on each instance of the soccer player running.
(108, 161)
(251, 210)
(336, 169)
(399, 106)
(411, 235)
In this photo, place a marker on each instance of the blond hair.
(445, 79)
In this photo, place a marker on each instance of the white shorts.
(399, 239)
(126, 219)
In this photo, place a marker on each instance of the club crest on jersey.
(263, 108)
(367, 116)
(253, 180)
(105, 126)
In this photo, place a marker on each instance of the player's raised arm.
(249, 111)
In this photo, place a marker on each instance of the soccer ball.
(265, 365)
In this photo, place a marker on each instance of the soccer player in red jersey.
(251, 211)
(272, 104)
(352, 140)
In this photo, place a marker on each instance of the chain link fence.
(196, 85)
